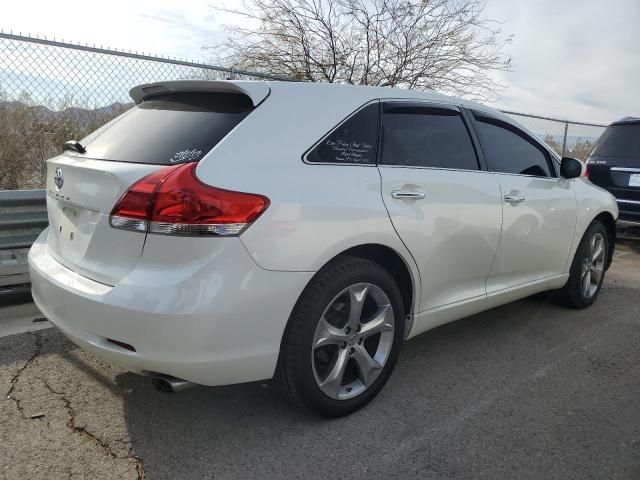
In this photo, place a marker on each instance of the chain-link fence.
(569, 138)
(52, 91)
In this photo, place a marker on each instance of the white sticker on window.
(350, 151)
(186, 156)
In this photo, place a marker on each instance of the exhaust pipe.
(168, 384)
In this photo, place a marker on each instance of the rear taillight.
(586, 169)
(172, 201)
(134, 208)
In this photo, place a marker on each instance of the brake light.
(173, 201)
(134, 207)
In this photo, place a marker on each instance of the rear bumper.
(212, 317)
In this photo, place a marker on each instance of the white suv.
(224, 232)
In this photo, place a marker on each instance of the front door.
(446, 210)
(539, 208)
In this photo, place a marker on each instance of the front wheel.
(587, 269)
(343, 338)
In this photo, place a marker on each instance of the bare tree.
(443, 45)
(31, 133)
(582, 148)
(551, 141)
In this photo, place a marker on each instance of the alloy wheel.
(352, 341)
(593, 266)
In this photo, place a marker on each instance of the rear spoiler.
(256, 91)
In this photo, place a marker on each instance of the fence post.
(564, 140)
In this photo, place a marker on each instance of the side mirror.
(570, 167)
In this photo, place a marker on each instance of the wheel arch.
(397, 266)
(610, 225)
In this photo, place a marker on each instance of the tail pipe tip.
(169, 384)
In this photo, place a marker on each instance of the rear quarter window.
(169, 129)
(354, 141)
(619, 141)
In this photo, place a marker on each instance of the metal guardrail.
(23, 215)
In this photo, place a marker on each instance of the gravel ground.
(528, 390)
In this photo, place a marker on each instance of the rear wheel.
(587, 269)
(343, 338)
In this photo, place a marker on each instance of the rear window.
(619, 141)
(168, 129)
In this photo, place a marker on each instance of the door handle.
(513, 198)
(407, 195)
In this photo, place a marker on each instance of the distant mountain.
(79, 114)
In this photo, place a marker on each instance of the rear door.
(539, 208)
(82, 189)
(445, 208)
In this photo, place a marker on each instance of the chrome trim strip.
(125, 223)
(530, 176)
(407, 195)
(632, 202)
(196, 230)
(417, 167)
(628, 223)
(624, 169)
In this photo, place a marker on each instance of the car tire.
(587, 269)
(342, 339)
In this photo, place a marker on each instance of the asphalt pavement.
(529, 390)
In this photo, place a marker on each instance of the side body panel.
(591, 202)
(309, 222)
(438, 316)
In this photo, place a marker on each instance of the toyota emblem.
(58, 178)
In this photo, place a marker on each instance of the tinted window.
(354, 141)
(169, 128)
(508, 150)
(619, 141)
(421, 136)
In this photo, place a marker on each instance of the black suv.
(614, 164)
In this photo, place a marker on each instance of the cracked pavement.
(47, 432)
(527, 390)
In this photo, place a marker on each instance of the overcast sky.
(571, 58)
